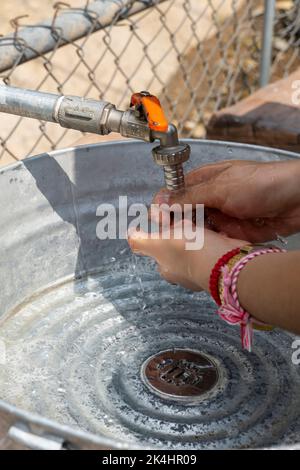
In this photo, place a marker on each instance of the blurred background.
(198, 56)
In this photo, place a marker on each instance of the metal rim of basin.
(208, 149)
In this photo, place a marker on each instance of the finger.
(254, 230)
(204, 193)
(212, 170)
(161, 196)
(199, 175)
(141, 243)
(188, 195)
(201, 187)
(167, 247)
(160, 216)
(157, 245)
(206, 172)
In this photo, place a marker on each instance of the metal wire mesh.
(286, 41)
(196, 55)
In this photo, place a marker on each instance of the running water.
(136, 275)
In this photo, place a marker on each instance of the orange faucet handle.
(152, 110)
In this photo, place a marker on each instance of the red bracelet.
(231, 310)
(216, 271)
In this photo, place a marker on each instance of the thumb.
(144, 243)
(202, 193)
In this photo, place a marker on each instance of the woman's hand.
(244, 199)
(176, 264)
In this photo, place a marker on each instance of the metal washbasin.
(100, 352)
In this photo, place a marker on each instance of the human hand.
(244, 199)
(176, 264)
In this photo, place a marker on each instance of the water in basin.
(75, 353)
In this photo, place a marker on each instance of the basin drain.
(181, 375)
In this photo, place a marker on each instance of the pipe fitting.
(171, 154)
(102, 117)
(85, 115)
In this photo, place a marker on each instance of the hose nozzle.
(172, 159)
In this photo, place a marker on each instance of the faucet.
(144, 119)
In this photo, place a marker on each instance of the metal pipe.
(71, 24)
(73, 112)
(27, 103)
(99, 117)
(267, 39)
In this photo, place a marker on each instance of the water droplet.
(281, 239)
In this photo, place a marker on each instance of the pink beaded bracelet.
(231, 311)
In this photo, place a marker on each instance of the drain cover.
(183, 375)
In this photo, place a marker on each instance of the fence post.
(267, 39)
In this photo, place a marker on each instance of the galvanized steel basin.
(101, 352)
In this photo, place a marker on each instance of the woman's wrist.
(262, 280)
(231, 309)
(215, 246)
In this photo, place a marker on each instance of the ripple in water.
(74, 354)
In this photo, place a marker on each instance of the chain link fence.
(196, 55)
